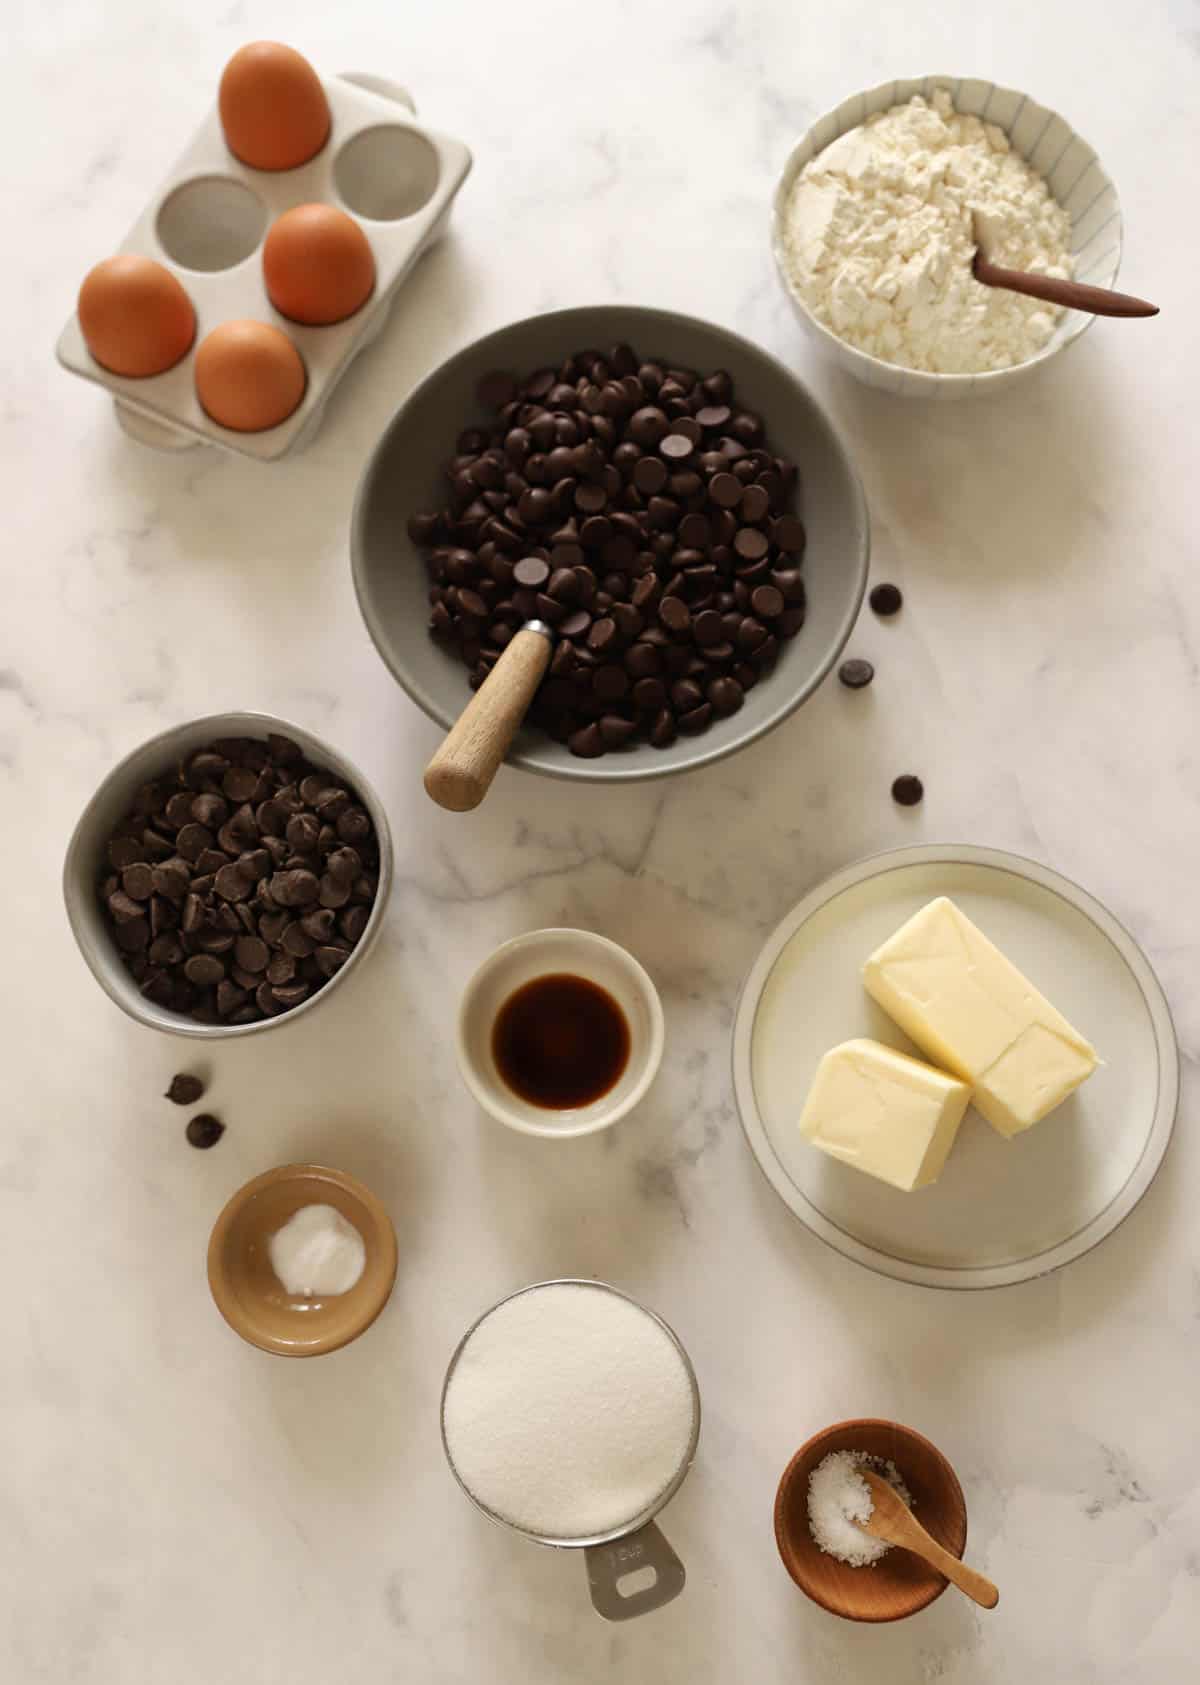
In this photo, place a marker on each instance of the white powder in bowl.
(839, 1498)
(317, 1253)
(568, 1412)
(878, 240)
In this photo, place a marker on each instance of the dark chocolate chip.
(204, 970)
(766, 601)
(907, 790)
(789, 534)
(587, 743)
(726, 695)
(697, 720)
(886, 600)
(531, 572)
(204, 1130)
(856, 673)
(185, 1089)
(750, 543)
(674, 614)
(650, 475)
(725, 490)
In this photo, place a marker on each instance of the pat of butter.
(882, 1112)
(969, 1008)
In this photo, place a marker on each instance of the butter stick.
(884, 1113)
(970, 1010)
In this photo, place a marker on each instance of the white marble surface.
(175, 1506)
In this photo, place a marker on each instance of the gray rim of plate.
(588, 771)
(969, 1278)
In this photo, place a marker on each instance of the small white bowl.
(540, 953)
(1045, 140)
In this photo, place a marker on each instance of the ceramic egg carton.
(207, 223)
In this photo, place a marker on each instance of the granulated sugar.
(568, 1412)
(839, 1498)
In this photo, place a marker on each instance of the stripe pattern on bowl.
(1073, 173)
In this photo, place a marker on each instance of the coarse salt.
(568, 1412)
(839, 1499)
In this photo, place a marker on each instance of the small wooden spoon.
(891, 1519)
(460, 773)
(1073, 295)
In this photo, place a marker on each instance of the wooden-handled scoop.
(1056, 289)
(460, 774)
(891, 1519)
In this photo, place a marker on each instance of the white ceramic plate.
(1003, 1211)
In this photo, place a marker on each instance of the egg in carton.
(207, 224)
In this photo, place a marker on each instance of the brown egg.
(273, 107)
(135, 316)
(249, 376)
(317, 265)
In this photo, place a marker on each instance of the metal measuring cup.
(637, 1543)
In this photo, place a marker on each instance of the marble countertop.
(177, 1507)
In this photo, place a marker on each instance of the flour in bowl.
(878, 240)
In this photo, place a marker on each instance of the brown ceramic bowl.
(899, 1584)
(248, 1293)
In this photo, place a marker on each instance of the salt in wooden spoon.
(892, 1520)
(460, 773)
(1054, 289)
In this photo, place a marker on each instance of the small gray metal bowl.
(85, 864)
(405, 475)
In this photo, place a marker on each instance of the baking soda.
(317, 1252)
(568, 1412)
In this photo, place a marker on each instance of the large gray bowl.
(405, 474)
(85, 864)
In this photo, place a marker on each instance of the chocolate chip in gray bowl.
(239, 882)
(637, 508)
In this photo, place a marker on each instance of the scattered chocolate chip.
(908, 790)
(185, 1089)
(855, 673)
(886, 599)
(204, 1130)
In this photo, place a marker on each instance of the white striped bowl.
(1073, 173)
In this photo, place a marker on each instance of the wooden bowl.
(249, 1295)
(899, 1584)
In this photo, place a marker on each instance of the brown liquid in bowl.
(560, 1041)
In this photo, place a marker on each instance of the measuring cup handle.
(608, 1565)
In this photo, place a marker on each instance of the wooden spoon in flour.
(1072, 295)
(891, 1519)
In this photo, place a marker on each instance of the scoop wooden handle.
(1055, 289)
(460, 774)
(977, 1586)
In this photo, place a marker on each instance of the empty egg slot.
(386, 173)
(210, 223)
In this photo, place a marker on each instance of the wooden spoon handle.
(977, 1586)
(1073, 295)
(460, 773)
